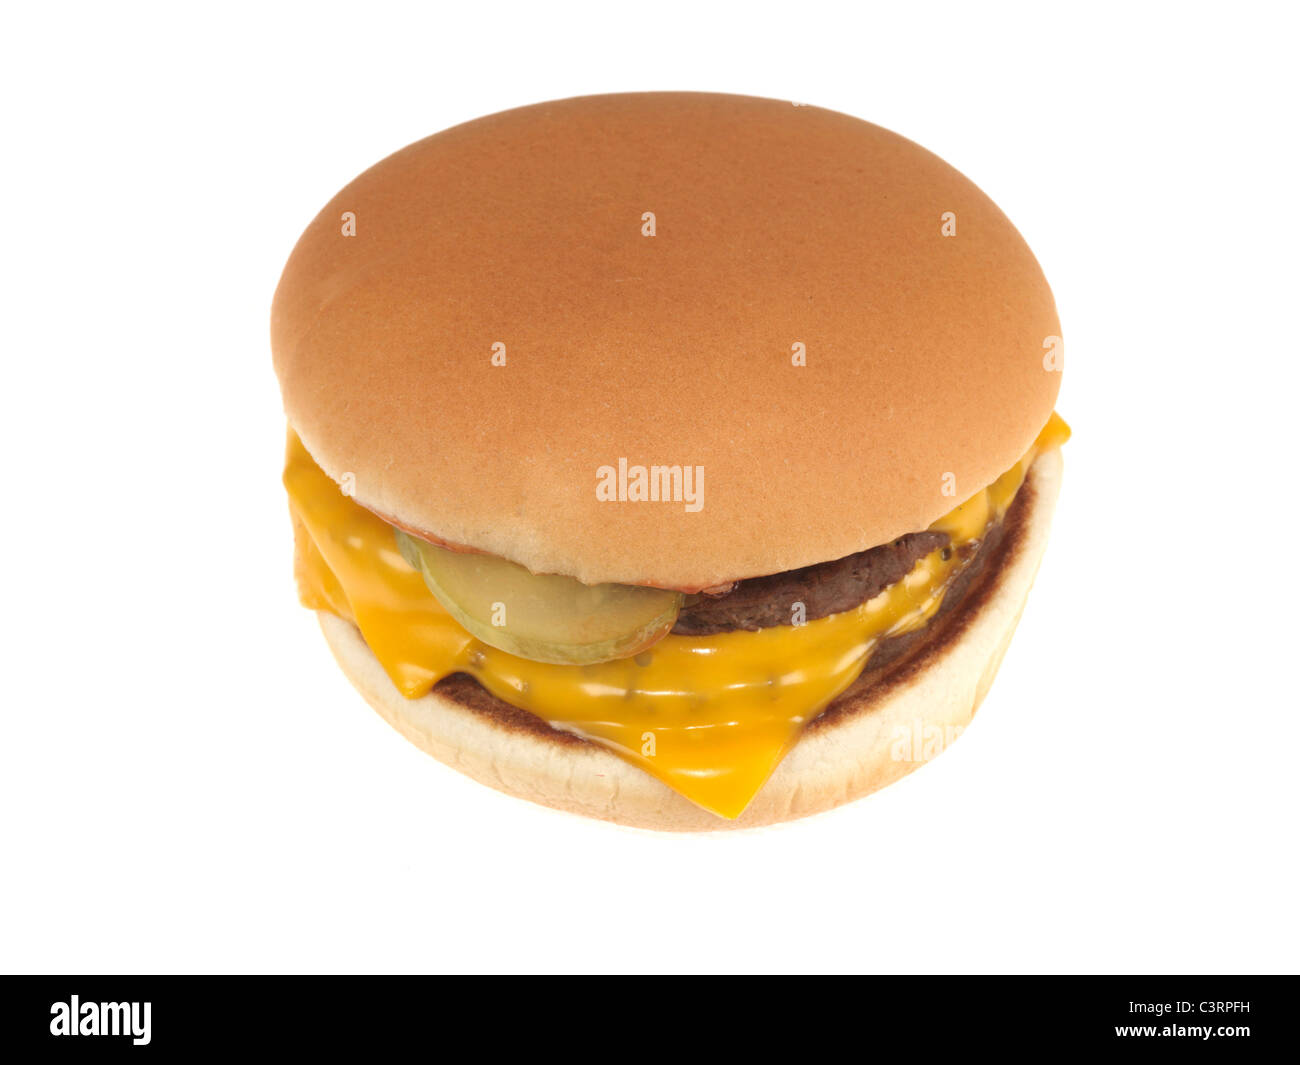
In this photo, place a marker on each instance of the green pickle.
(543, 617)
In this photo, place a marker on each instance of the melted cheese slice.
(710, 716)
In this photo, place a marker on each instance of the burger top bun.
(492, 329)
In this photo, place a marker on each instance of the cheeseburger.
(678, 459)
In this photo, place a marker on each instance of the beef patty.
(892, 660)
(824, 589)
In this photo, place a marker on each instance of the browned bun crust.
(776, 225)
(845, 754)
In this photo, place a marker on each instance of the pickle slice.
(545, 617)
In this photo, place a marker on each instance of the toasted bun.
(775, 225)
(850, 753)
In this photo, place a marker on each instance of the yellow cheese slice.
(710, 716)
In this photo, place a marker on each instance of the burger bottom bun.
(880, 731)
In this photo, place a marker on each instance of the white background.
(187, 782)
